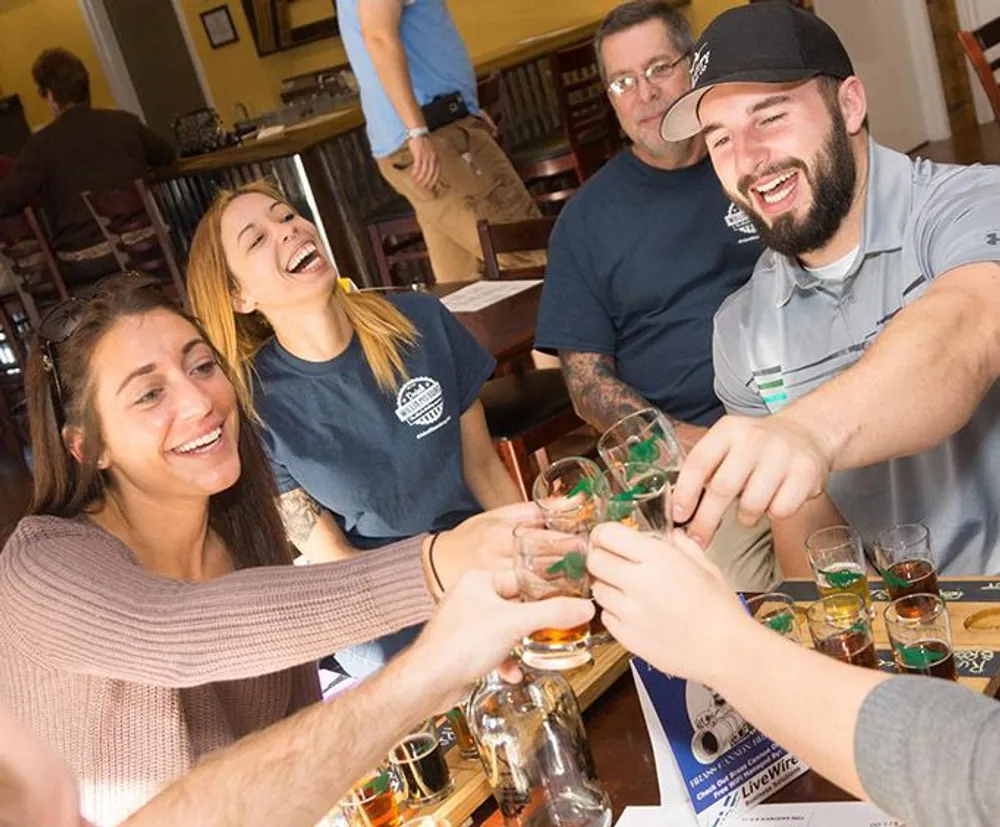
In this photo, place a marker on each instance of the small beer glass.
(419, 763)
(643, 436)
(837, 559)
(551, 564)
(904, 556)
(637, 494)
(371, 802)
(920, 633)
(463, 737)
(567, 493)
(840, 627)
(777, 612)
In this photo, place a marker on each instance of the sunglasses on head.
(63, 320)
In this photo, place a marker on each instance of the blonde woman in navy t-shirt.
(368, 407)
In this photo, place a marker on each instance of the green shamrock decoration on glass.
(380, 783)
(918, 656)
(620, 505)
(781, 623)
(572, 565)
(645, 451)
(892, 579)
(840, 579)
(584, 486)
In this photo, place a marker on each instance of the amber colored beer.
(560, 638)
(463, 737)
(918, 574)
(928, 657)
(854, 647)
(372, 803)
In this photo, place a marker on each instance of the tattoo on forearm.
(300, 513)
(599, 396)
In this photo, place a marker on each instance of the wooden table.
(506, 328)
(620, 742)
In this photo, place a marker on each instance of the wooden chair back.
(131, 223)
(28, 255)
(526, 236)
(976, 44)
(588, 120)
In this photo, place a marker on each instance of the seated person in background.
(248, 784)
(922, 749)
(857, 233)
(368, 406)
(643, 256)
(82, 149)
(147, 612)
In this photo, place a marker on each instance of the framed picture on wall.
(219, 26)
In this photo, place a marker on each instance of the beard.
(832, 179)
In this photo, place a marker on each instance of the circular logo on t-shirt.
(420, 402)
(738, 220)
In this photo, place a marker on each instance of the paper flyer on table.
(482, 294)
(823, 814)
(705, 752)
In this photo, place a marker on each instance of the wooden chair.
(526, 236)
(131, 223)
(398, 244)
(555, 166)
(525, 413)
(976, 44)
(28, 255)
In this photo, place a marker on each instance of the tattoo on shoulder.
(300, 513)
(598, 395)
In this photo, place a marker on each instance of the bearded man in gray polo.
(856, 233)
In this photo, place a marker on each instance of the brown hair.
(63, 74)
(245, 515)
(382, 330)
(635, 13)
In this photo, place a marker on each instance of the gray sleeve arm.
(927, 752)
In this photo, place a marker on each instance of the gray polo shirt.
(786, 333)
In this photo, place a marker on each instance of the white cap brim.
(681, 120)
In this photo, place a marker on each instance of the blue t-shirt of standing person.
(385, 465)
(435, 54)
(639, 262)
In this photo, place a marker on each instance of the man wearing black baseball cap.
(858, 234)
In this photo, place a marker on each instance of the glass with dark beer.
(904, 556)
(419, 763)
(920, 633)
(840, 627)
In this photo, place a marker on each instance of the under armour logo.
(993, 239)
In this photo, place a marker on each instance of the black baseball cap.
(770, 42)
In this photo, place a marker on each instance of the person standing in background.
(431, 141)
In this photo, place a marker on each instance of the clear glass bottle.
(534, 751)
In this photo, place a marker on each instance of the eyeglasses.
(654, 73)
(63, 320)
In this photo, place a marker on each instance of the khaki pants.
(745, 555)
(477, 181)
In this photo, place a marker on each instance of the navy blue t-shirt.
(386, 465)
(639, 261)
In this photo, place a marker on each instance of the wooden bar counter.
(324, 164)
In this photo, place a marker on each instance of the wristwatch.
(417, 132)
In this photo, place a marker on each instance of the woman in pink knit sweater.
(147, 616)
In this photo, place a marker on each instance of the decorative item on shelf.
(219, 27)
(199, 132)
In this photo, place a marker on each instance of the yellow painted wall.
(235, 73)
(29, 26)
(702, 12)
